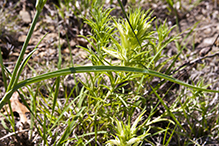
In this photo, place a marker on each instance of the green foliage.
(105, 99)
(126, 134)
(197, 111)
(130, 52)
(101, 26)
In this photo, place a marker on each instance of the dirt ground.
(16, 17)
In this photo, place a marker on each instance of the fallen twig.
(13, 133)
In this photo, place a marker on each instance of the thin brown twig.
(13, 133)
(202, 28)
(199, 60)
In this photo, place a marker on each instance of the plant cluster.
(105, 109)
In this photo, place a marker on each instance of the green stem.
(14, 75)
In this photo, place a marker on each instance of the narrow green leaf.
(69, 128)
(58, 78)
(3, 71)
(168, 141)
(84, 69)
(17, 65)
(168, 110)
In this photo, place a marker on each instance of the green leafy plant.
(126, 134)
(131, 51)
(90, 115)
(102, 28)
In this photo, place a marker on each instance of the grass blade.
(85, 69)
(167, 108)
(17, 65)
(69, 128)
(3, 71)
(58, 79)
